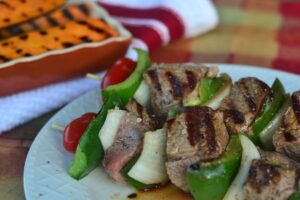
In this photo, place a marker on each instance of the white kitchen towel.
(152, 23)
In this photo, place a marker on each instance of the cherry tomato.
(118, 72)
(74, 131)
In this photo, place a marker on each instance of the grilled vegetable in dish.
(287, 139)
(16, 11)
(55, 18)
(59, 37)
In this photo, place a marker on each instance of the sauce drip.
(168, 192)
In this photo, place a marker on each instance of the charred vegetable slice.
(210, 181)
(270, 109)
(149, 169)
(127, 88)
(89, 152)
(250, 152)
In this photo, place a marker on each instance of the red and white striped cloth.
(158, 22)
(152, 22)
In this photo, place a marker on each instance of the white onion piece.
(250, 152)
(142, 94)
(110, 127)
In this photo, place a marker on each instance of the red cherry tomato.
(74, 131)
(118, 72)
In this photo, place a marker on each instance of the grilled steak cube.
(150, 120)
(197, 134)
(287, 139)
(288, 142)
(127, 144)
(245, 101)
(268, 181)
(276, 158)
(177, 171)
(170, 83)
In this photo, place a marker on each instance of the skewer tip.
(94, 76)
(57, 127)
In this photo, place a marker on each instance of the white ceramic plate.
(45, 174)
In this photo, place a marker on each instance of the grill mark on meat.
(193, 128)
(296, 106)
(195, 166)
(176, 84)
(289, 137)
(192, 79)
(154, 79)
(269, 174)
(249, 99)
(139, 109)
(210, 133)
(170, 123)
(155, 122)
(235, 115)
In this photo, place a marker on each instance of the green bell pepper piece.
(210, 181)
(295, 196)
(207, 89)
(270, 109)
(127, 88)
(131, 181)
(171, 114)
(89, 152)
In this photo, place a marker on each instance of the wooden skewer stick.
(94, 76)
(58, 127)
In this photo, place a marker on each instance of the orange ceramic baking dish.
(58, 65)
